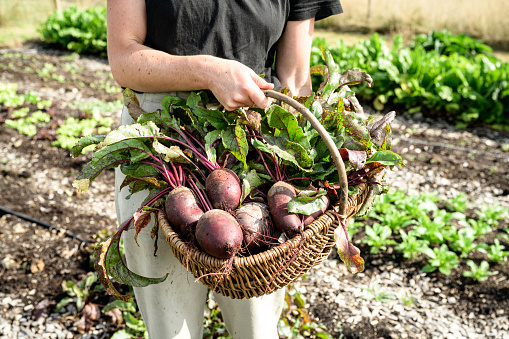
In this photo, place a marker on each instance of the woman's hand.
(235, 85)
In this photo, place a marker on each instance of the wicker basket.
(263, 273)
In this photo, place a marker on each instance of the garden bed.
(36, 178)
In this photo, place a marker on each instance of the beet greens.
(182, 143)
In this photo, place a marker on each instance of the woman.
(162, 47)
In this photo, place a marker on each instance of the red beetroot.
(219, 234)
(183, 210)
(278, 197)
(254, 218)
(223, 189)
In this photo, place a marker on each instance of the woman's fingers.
(257, 96)
(239, 86)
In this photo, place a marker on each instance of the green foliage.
(72, 129)
(458, 203)
(478, 273)
(411, 245)
(446, 43)
(441, 258)
(470, 89)
(28, 126)
(130, 317)
(295, 322)
(445, 235)
(74, 29)
(377, 237)
(10, 98)
(78, 293)
(465, 242)
(31, 114)
(492, 213)
(377, 294)
(496, 252)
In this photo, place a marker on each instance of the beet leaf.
(234, 140)
(109, 262)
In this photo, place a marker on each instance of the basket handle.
(340, 166)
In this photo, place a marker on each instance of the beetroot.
(254, 218)
(219, 234)
(278, 197)
(183, 210)
(223, 189)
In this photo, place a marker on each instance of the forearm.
(147, 70)
(293, 57)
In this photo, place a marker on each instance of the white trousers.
(175, 307)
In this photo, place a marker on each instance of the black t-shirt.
(242, 30)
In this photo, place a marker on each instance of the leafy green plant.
(377, 237)
(48, 71)
(395, 219)
(74, 29)
(295, 322)
(480, 226)
(28, 126)
(408, 300)
(458, 203)
(67, 134)
(446, 43)
(72, 129)
(492, 213)
(441, 258)
(354, 227)
(466, 242)
(126, 312)
(469, 89)
(376, 293)
(417, 205)
(496, 252)
(434, 230)
(78, 293)
(478, 273)
(10, 98)
(410, 244)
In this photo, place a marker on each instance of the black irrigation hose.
(4, 210)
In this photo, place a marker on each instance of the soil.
(36, 181)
